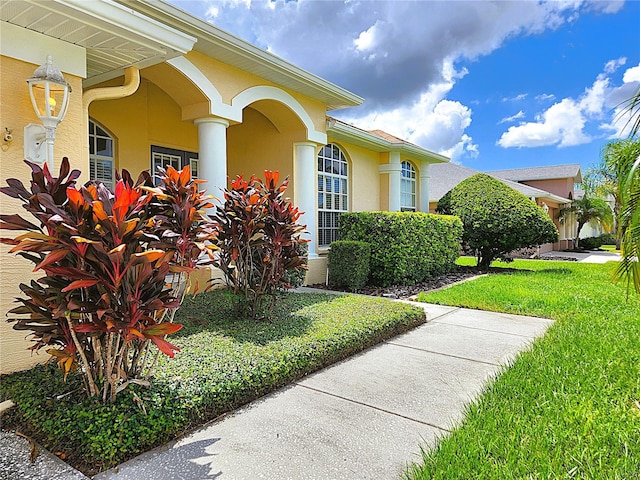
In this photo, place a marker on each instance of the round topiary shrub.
(497, 219)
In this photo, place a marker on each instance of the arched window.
(408, 188)
(333, 192)
(101, 155)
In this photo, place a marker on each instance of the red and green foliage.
(259, 240)
(106, 258)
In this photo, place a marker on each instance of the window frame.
(408, 177)
(183, 157)
(94, 157)
(333, 185)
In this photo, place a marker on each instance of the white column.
(394, 181)
(212, 155)
(305, 190)
(424, 187)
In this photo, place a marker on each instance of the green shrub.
(607, 239)
(497, 219)
(406, 247)
(349, 264)
(590, 243)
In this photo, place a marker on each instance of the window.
(333, 192)
(408, 188)
(178, 159)
(100, 155)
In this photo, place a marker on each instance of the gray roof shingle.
(540, 173)
(445, 176)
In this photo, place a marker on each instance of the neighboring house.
(447, 175)
(153, 85)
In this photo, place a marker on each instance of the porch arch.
(265, 92)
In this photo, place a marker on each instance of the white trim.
(128, 23)
(338, 130)
(208, 89)
(265, 92)
(33, 47)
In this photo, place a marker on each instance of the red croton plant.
(115, 267)
(259, 241)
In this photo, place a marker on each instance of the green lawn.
(568, 408)
(224, 362)
(609, 248)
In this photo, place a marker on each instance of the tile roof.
(540, 173)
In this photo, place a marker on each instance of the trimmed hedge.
(592, 243)
(349, 264)
(406, 247)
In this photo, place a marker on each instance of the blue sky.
(493, 85)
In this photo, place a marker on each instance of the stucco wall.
(561, 187)
(148, 117)
(257, 145)
(15, 113)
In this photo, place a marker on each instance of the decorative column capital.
(390, 168)
(217, 120)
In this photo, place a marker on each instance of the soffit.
(114, 37)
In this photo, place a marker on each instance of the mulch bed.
(406, 291)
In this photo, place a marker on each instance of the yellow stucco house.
(152, 85)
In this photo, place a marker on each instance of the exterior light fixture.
(49, 94)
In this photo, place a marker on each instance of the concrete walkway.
(364, 418)
(594, 256)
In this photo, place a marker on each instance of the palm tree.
(585, 210)
(607, 178)
(629, 267)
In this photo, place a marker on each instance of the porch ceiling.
(114, 36)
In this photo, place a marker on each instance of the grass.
(609, 248)
(568, 408)
(224, 362)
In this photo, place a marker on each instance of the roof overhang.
(341, 131)
(114, 36)
(231, 50)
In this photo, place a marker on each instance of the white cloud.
(545, 96)
(632, 75)
(338, 39)
(367, 38)
(612, 65)
(561, 124)
(517, 98)
(617, 100)
(432, 122)
(512, 118)
(593, 101)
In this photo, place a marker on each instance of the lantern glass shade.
(49, 94)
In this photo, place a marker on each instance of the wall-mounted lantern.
(49, 94)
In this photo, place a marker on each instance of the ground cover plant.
(569, 408)
(224, 362)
